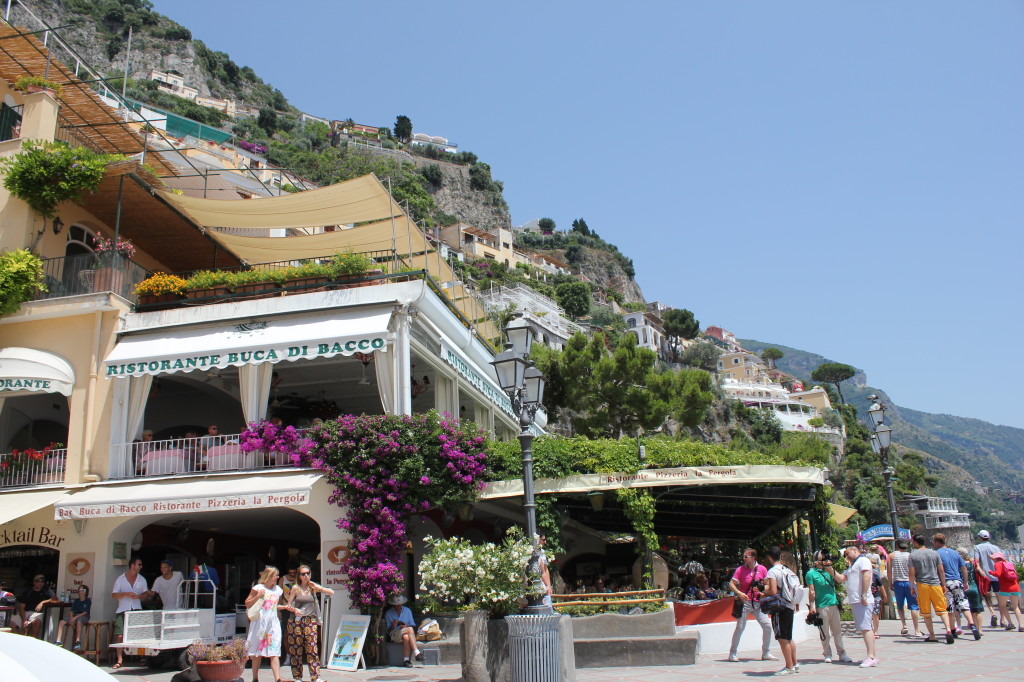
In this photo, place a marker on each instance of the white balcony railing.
(18, 470)
(189, 455)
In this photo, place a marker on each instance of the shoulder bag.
(254, 611)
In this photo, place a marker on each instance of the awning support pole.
(117, 217)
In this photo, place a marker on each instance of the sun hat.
(397, 600)
(998, 555)
(984, 534)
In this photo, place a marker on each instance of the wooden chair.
(98, 630)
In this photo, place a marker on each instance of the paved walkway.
(998, 655)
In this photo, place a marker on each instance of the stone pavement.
(998, 655)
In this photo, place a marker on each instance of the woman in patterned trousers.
(303, 630)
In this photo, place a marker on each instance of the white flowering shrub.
(459, 576)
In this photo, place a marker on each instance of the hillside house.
(741, 365)
(725, 336)
(940, 515)
(435, 141)
(650, 332)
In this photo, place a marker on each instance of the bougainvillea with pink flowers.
(384, 469)
(264, 436)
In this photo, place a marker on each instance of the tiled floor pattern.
(998, 656)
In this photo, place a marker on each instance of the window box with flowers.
(21, 467)
(160, 289)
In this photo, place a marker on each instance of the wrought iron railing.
(89, 273)
(200, 454)
(22, 470)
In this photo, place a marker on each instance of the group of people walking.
(954, 584)
(302, 627)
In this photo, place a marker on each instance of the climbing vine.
(384, 469)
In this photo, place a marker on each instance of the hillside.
(990, 455)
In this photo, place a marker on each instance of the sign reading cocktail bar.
(70, 510)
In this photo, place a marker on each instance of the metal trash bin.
(533, 647)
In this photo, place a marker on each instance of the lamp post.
(880, 441)
(524, 385)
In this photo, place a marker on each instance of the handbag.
(775, 603)
(737, 608)
(254, 611)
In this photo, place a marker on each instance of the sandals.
(903, 632)
(117, 666)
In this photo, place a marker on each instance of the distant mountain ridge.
(979, 447)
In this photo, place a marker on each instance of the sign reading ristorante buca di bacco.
(245, 357)
(182, 505)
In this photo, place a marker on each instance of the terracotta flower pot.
(209, 292)
(218, 670)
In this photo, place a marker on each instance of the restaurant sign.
(260, 500)
(491, 392)
(26, 384)
(175, 363)
(651, 478)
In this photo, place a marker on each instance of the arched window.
(80, 240)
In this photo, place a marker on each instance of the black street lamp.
(880, 441)
(524, 385)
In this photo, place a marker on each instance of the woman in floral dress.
(264, 638)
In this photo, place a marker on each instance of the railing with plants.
(30, 467)
(261, 446)
(589, 604)
(89, 273)
(279, 277)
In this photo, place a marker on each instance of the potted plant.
(160, 288)
(31, 84)
(45, 174)
(111, 255)
(218, 661)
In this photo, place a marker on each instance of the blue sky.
(843, 178)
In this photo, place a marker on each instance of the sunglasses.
(304, 573)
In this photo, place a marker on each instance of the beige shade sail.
(353, 201)
(380, 236)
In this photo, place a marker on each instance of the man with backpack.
(783, 583)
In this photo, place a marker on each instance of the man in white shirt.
(166, 585)
(858, 595)
(129, 589)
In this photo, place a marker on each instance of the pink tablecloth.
(230, 456)
(166, 462)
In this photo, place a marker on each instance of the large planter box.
(207, 293)
(256, 288)
(162, 300)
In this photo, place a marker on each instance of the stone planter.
(218, 670)
(484, 648)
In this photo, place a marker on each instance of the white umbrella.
(27, 659)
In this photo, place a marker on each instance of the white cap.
(984, 534)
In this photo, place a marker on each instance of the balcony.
(87, 273)
(23, 469)
(953, 521)
(197, 455)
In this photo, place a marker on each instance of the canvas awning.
(15, 505)
(178, 496)
(273, 340)
(353, 201)
(650, 478)
(401, 237)
(27, 370)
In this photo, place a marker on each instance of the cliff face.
(604, 270)
(103, 45)
(458, 199)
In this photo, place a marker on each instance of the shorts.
(974, 601)
(1001, 594)
(876, 608)
(782, 624)
(903, 596)
(84, 620)
(119, 623)
(956, 597)
(929, 596)
(32, 616)
(395, 635)
(861, 617)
